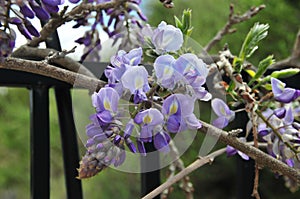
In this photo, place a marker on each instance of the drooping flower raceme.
(225, 115)
(105, 145)
(282, 94)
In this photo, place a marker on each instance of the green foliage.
(250, 44)
(255, 35)
(210, 16)
(285, 73)
(185, 24)
(262, 68)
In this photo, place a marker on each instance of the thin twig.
(232, 20)
(254, 117)
(187, 186)
(195, 165)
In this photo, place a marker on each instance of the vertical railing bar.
(67, 130)
(69, 142)
(150, 173)
(39, 143)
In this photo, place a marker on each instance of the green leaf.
(178, 23)
(268, 87)
(185, 24)
(285, 73)
(262, 67)
(254, 36)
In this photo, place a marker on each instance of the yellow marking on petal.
(106, 104)
(223, 110)
(173, 108)
(139, 82)
(188, 68)
(132, 61)
(147, 119)
(281, 85)
(168, 71)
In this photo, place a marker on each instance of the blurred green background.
(213, 181)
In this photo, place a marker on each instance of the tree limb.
(42, 68)
(259, 156)
(232, 20)
(38, 54)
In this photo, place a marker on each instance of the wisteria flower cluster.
(30, 9)
(278, 127)
(113, 21)
(147, 122)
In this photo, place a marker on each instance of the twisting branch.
(232, 20)
(259, 156)
(42, 68)
(293, 60)
(62, 18)
(192, 167)
(38, 54)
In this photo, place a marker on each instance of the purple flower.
(136, 80)
(121, 62)
(53, 2)
(167, 38)
(282, 94)
(31, 29)
(25, 10)
(187, 70)
(225, 115)
(130, 145)
(195, 72)
(24, 31)
(148, 120)
(161, 141)
(164, 71)
(106, 104)
(74, 1)
(141, 147)
(40, 12)
(232, 151)
(52, 5)
(178, 109)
